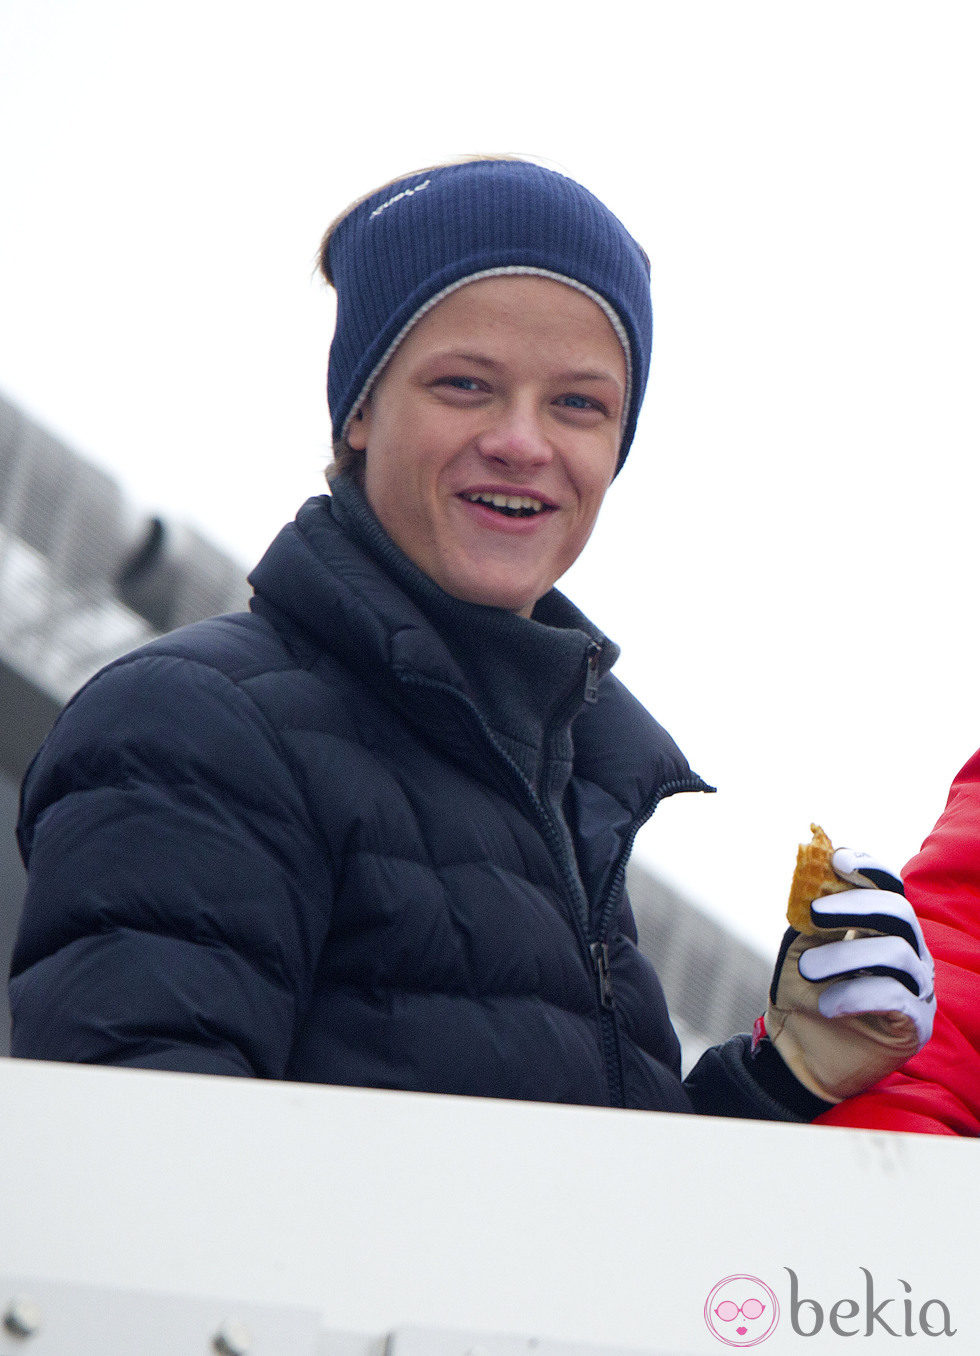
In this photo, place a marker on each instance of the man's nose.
(516, 436)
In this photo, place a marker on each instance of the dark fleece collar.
(336, 576)
(526, 675)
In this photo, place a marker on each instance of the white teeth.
(507, 501)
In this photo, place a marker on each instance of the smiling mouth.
(510, 505)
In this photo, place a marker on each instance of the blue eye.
(580, 402)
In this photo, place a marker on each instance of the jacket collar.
(338, 576)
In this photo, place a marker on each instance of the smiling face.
(492, 436)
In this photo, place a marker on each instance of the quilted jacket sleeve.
(938, 1091)
(177, 895)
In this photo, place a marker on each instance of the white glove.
(852, 1001)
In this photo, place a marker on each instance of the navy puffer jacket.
(364, 834)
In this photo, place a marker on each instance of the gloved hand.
(853, 1000)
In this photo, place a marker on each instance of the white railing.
(334, 1221)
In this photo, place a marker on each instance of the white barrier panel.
(435, 1224)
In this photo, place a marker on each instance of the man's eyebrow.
(482, 360)
(591, 376)
(466, 357)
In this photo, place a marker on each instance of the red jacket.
(938, 1092)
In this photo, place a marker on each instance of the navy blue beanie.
(406, 246)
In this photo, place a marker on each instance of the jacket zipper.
(597, 949)
(692, 783)
(592, 657)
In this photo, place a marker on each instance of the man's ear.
(357, 429)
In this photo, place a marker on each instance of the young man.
(375, 831)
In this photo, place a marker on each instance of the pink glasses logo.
(741, 1311)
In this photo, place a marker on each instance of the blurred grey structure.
(85, 577)
(716, 984)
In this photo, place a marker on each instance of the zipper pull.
(599, 952)
(593, 654)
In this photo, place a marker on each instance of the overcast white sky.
(789, 558)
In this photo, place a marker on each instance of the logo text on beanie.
(405, 193)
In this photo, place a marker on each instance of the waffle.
(814, 876)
